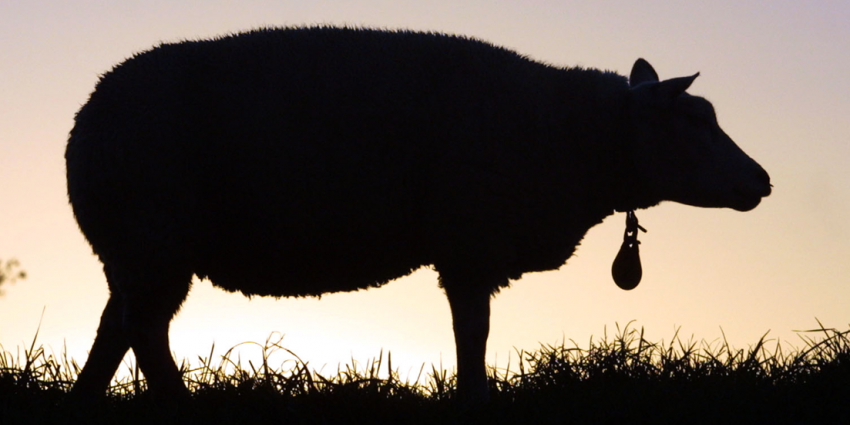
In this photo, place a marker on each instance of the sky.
(774, 70)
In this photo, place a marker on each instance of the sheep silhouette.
(302, 161)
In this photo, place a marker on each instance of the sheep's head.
(680, 151)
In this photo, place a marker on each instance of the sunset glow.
(773, 70)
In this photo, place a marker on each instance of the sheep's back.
(296, 162)
(298, 156)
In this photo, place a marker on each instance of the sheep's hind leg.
(151, 299)
(106, 353)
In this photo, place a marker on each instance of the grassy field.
(621, 379)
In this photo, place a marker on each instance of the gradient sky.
(775, 71)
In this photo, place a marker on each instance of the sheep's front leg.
(470, 306)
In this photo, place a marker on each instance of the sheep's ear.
(662, 94)
(674, 87)
(642, 72)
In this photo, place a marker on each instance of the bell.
(626, 269)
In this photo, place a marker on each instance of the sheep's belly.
(309, 275)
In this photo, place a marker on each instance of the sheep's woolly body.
(297, 162)
(307, 161)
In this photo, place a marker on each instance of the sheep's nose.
(764, 181)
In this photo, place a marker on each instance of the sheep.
(295, 162)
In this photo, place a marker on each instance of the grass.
(621, 379)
